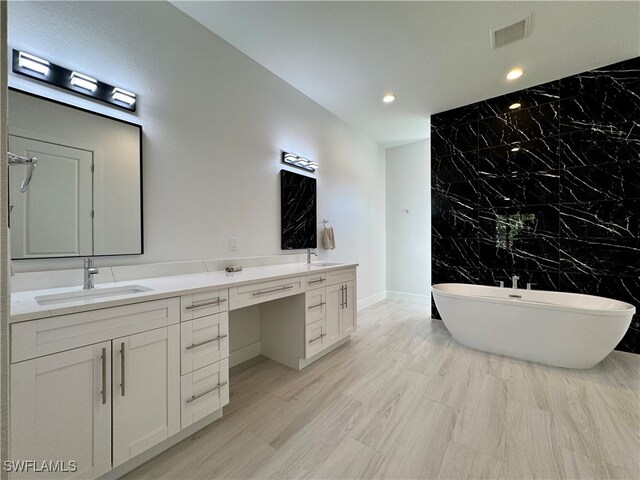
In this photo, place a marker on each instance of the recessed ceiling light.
(513, 106)
(389, 98)
(515, 73)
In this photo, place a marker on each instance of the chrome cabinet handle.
(122, 370)
(342, 296)
(316, 306)
(194, 345)
(346, 297)
(217, 301)
(104, 375)
(206, 392)
(279, 289)
(316, 339)
(316, 281)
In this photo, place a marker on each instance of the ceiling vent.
(510, 32)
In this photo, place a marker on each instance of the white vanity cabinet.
(102, 386)
(61, 410)
(204, 355)
(80, 403)
(331, 310)
(341, 305)
(146, 391)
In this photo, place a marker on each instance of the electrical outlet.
(233, 244)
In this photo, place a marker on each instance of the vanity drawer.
(317, 280)
(315, 305)
(315, 338)
(255, 293)
(204, 391)
(204, 341)
(341, 276)
(205, 303)
(44, 336)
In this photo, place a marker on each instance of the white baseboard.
(409, 297)
(243, 354)
(373, 299)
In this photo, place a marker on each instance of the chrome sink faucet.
(89, 272)
(309, 253)
(514, 282)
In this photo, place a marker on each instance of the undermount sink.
(324, 264)
(93, 294)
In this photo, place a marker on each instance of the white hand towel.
(329, 238)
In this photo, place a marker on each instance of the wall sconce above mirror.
(32, 66)
(86, 196)
(299, 162)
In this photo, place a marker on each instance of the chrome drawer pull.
(317, 281)
(206, 392)
(316, 306)
(316, 339)
(194, 345)
(217, 301)
(279, 289)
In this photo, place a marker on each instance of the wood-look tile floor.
(403, 400)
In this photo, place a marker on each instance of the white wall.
(4, 253)
(408, 185)
(214, 123)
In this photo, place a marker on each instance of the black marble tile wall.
(549, 191)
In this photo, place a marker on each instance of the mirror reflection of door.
(53, 218)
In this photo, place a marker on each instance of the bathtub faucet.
(514, 282)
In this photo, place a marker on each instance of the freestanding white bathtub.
(555, 328)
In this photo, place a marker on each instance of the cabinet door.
(61, 410)
(349, 311)
(335, 300)
(146, 391)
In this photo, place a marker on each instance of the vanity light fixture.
(81, 80)
(37, 68)
(123, 96)
(515, 73)
(31, 62)
(299, 162)
(389, 97)
(513, 106)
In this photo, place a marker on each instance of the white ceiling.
(433, 55)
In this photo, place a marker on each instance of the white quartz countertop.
(25, 307)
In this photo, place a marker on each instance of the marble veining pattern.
(549, 191)
(298, 211)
